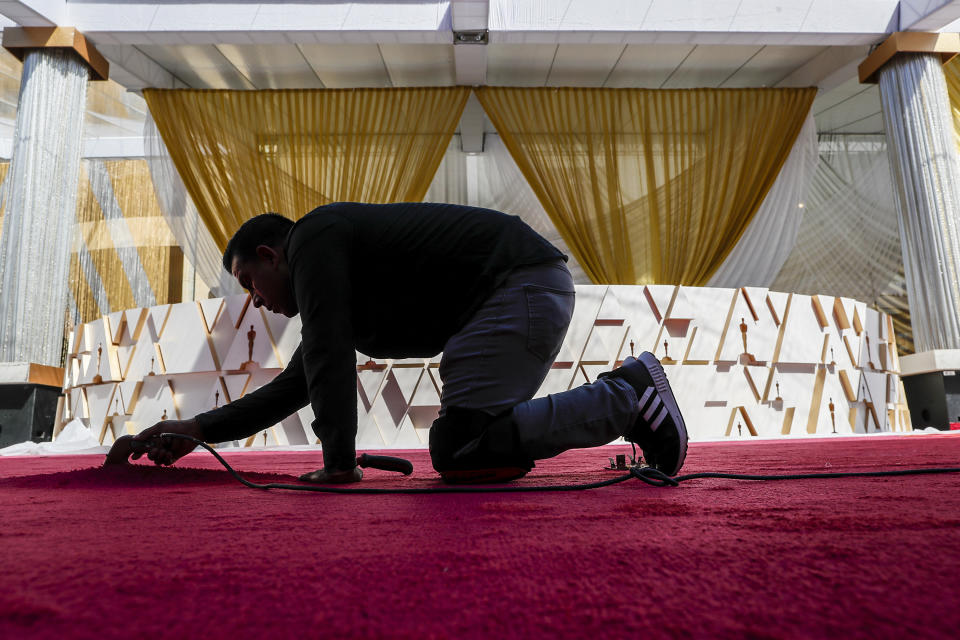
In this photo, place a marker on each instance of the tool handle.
(387, 463)
(123, 448)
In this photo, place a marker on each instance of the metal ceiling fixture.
(479, 36)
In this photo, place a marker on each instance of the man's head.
(255, 256)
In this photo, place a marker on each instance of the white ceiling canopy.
(595, 43)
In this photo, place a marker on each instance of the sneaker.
(659, 429)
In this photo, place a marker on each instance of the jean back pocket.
(549, 311)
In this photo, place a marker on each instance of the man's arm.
(319, 260)
(258, 409)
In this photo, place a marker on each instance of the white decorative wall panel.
(743, 363)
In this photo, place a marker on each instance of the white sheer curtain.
(771, 235)
(181, 215)
(493, 180)
(925, 168)
(849, 242)
(40, 207)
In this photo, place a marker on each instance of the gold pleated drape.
(4, 167)
(649, 186)
(951, 71)
(125, 255)
(10, 71)
(241, 153)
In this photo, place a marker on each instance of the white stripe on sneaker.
(660, 418)
(653, 407)
(643, 399)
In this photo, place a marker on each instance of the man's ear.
(268, 253)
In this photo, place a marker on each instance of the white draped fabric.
(772, 234)
(493, 180)
(40, 207)
(181, 215)
(849, 241)
(925, 168)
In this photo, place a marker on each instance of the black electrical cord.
(648, 475)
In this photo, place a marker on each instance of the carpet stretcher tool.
(126, 446)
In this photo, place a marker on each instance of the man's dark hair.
(267, 228)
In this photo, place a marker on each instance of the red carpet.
(189, 552)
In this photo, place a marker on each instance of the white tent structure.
(650, 44)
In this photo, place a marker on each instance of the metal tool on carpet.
(126, 446)
(648, 475)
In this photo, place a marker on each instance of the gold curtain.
(649, 186)
(951, 72)
(4, 167)
(124, 255)
(241, 153)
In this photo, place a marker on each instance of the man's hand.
(322, 476)
(166, 451)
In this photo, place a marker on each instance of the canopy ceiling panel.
(710, 66)
(858, 112)
(652, 66)
(840, 94)
(340, 66)
(769, 66)
(583, 65)
(199, 66)
(419, 65)
(519, 65)
(272, 67)
(647, 67)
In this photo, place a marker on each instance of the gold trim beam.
(44, 374)
(19, 40)
(946, 44)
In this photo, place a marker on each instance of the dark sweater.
(390, 281)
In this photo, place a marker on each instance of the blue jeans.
(498, 361)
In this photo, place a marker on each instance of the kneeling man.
(480, 286)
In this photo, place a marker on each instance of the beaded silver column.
(925, 167)
(41, 206)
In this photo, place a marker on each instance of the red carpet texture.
(188, 552)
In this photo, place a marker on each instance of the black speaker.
(933, 398)
(27, 412)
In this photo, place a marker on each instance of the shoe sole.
(659, 376)
(482, 476)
